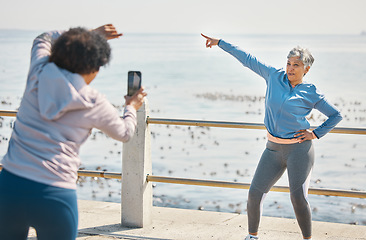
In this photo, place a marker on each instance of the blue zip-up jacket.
(286, 107)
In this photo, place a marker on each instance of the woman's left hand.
(304, 135)
(108, 31)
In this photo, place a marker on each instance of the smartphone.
(134, 82)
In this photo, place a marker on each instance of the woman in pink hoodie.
(57, 113)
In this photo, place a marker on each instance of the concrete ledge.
(101, 220)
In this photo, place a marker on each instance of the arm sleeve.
(41, 50)
(333, 114)
(109, 121)
(247, 60)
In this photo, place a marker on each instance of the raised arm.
(42, 45)
(244, 58)
(41, 50)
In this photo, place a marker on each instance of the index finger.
(205, 36)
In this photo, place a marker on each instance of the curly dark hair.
(80, 51)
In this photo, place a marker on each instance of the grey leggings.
(298, 158)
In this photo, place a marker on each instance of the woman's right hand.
(137, 99)
(210, 41)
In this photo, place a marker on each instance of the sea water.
(184, 80)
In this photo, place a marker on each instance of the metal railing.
(100, 174)
(223, 184)
(200, 123)
(8, 113)
(238, 185)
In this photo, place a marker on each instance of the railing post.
(136, 196)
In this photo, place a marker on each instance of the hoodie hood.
(60, 91)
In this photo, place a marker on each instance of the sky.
(190, 16)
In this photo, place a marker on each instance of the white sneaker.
(249, 237)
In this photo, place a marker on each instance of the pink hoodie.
(56, 115)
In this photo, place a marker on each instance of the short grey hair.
(303, 54)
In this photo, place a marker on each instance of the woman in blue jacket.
(289, 99)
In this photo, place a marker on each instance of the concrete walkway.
(101, 220)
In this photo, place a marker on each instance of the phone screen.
(134, 82)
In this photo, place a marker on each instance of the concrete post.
(136, 193)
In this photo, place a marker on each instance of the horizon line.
(361, 33)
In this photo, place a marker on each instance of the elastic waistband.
(281, 140)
